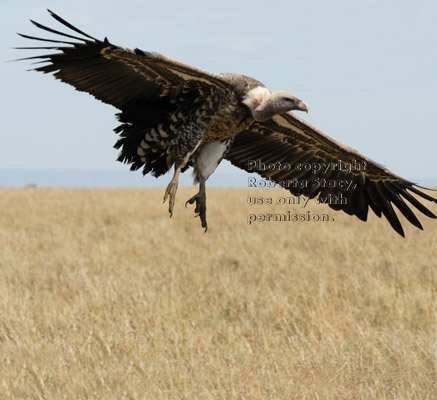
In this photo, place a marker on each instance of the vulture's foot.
(171, 192)
(200, 210)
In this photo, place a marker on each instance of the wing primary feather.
(349, 206)
(38, 48)
(375, 202)
(357, 199)
(44, 58)
(46, 28)
(387, 209)
(45, 40)
(67, 24)
(401, 205)
(375, 195)
(422, 194)
(417, 204)
(372, 205)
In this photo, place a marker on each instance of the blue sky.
(367, 70)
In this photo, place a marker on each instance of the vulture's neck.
(256, 97)
(262, 103)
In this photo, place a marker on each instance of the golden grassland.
(103, 296)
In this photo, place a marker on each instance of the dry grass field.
(102, 296)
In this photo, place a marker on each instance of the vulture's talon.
(191, 201)
(200, 209)
(170, 193)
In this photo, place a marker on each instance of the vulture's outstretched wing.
(115, 75)
(292, 153)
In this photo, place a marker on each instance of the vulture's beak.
(302, 106)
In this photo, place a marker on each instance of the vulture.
(173, 115)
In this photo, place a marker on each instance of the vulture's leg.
(179, 152)
(200, 199)
(209, 157)
(171, 190)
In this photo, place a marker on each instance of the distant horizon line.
(86, 178)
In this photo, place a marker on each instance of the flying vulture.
(176, 115)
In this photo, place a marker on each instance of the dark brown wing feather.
(291, 141)
(115, 75)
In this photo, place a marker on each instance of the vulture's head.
(265, 105)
